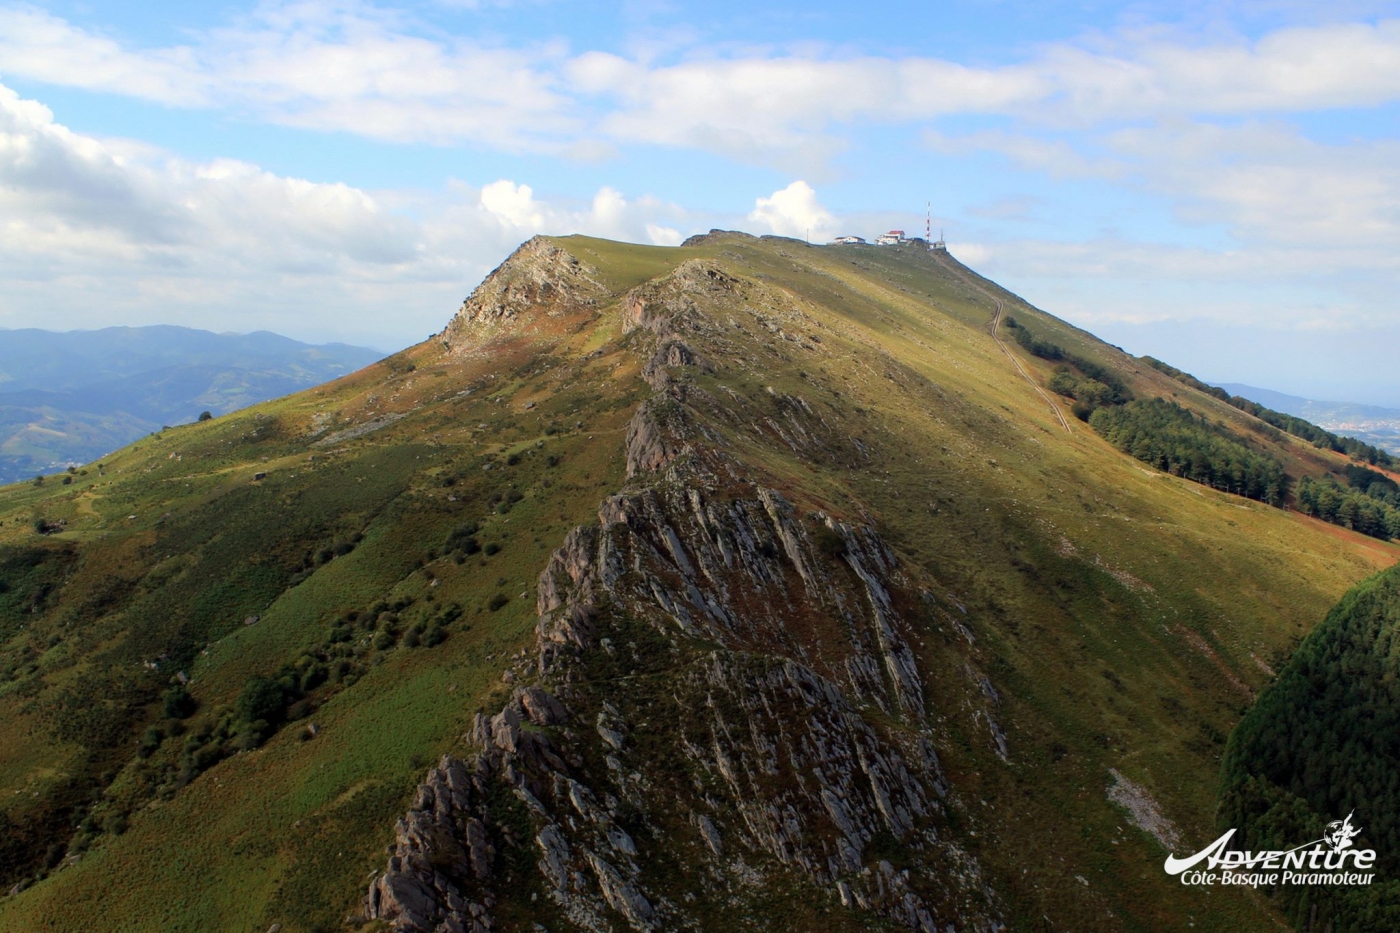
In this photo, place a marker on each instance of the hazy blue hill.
(41, 359)
(74, 396)
(1370, 423)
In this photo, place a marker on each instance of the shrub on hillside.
(177, 702)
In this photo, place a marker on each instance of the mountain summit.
(745, 585)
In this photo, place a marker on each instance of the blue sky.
(1217, 184)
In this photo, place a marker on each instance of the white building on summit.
(893, 238)
(848, 241)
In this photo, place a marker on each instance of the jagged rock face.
(744, 573)
(539, 278)
(690, 299)
(728, 705)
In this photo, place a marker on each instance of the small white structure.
(893, 238)
(938, 244)
(848, 241)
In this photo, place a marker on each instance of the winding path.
(994, 326)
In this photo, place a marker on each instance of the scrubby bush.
(150, 741)
(463, 538)
(260, 707)
(177, 702)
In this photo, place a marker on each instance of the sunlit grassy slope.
(1125, 617)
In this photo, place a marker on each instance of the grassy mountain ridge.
(1069, 614)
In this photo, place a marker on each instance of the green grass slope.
(371, 547)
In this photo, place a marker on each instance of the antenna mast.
(928, 223)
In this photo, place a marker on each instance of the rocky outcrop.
(739, 572)
(725, 682)
(539, 278)
(656, 435)
(671, 354)
(683, 300)
(439, 844)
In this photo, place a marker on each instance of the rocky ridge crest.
(538, 278)
(727, 704)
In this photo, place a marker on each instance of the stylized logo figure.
(1339, 833)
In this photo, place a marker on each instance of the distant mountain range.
(68, 398)
(1370, 423)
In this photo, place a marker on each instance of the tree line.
(1178, 441)
(1321, 742)
(1349, 507)
(1090, 384)
(1155, 431)
(1298, 427)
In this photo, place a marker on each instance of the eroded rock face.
(681, 300)
(727, 704)
(437, 845)
(539, 278)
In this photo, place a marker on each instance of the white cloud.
(95, 232)
(1266, 184)
(45, 48)
(794, 211)
(514, 208)
(1269, 184)
(514, 204)
(352, 68)
(759, 109)
(1337, 65)
(1056, 157)
(317, 66)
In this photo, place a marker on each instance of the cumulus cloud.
(94, 232)
(516, 210)
(794, 211)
